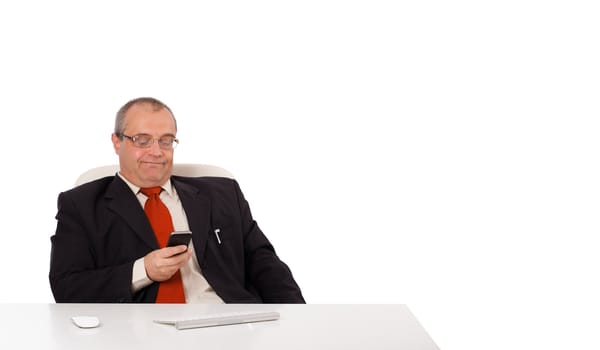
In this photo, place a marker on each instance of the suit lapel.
(197, 211)
(123, 202)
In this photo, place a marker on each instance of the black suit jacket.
(102, 229)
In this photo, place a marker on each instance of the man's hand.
(162, 263)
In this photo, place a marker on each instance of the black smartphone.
(179, 238)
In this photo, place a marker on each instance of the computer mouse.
(86, 321)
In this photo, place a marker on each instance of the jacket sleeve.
(270, 276)
(75, 276)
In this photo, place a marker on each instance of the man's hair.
(151, 101)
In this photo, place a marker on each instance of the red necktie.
(171, 290)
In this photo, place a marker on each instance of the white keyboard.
(222, 319)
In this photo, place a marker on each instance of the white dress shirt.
(195, 286)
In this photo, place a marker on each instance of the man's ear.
(116, 142)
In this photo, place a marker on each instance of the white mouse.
(86, 321)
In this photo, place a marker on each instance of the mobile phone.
(179, 238)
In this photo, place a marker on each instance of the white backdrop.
(442, 154)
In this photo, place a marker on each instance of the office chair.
(191, 170)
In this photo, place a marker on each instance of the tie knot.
(151, 191)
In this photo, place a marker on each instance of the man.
(108, 246)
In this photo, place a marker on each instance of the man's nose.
(155, 148)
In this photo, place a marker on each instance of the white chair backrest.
(191, 170)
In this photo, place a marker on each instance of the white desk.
(131, 326)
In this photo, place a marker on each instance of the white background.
(442, 154)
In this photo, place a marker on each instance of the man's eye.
(166, 141)
(142, 141)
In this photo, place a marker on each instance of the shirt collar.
(167, 186)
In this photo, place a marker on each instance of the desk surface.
(131, 326)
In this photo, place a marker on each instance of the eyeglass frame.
(133, 139)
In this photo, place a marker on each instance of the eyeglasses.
(145, 141)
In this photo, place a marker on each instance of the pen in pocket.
(217, 230)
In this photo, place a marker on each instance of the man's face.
(145, 167)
